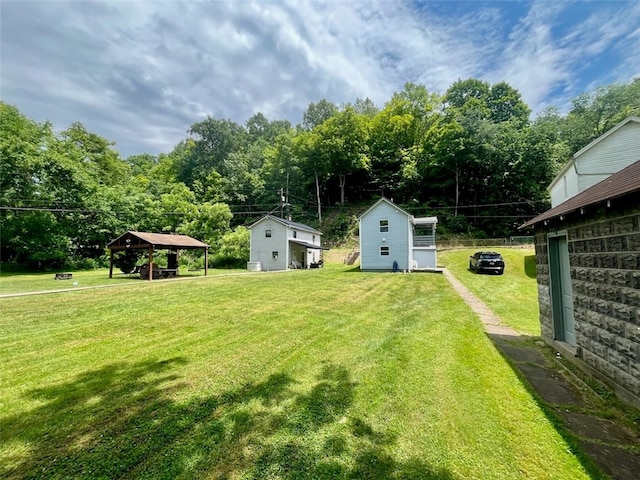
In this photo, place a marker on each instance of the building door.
(561, 292)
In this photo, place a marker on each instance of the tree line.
(472, 156)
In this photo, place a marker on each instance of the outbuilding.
(278, 244)
(150, 242)
(588, 274)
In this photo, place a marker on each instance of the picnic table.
(158, 272)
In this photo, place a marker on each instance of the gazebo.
(155, 241)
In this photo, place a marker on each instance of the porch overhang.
(307, 245)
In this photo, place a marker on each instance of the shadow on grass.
(530, 266)
(123, 421)
(355, 269)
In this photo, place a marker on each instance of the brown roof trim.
(133, 239)
(621, 183)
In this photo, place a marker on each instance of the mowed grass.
(512, 296)
(318, 374)
(36, 282)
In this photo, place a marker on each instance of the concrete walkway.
(612, 446)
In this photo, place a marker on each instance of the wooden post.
(150, 263)
(206, 261)
(110, 263)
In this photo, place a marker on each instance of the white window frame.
(385, 250)
(384, 228)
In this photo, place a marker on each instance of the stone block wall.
(604, 257)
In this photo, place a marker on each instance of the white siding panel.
(371, 239)
(612, 154)
(615, 152)
(425, 257)
(262, 247)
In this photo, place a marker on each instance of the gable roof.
(592, 144)
(385, 200)
(288, 223)
(133, 239)
(621, 183)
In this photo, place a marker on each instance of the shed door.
(561, 291)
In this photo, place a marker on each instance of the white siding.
(425, 257)
(262, 247)
(565, 188)
(614, 152)
(397, 238)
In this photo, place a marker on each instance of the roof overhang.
(620, 184)
(308, 245)
(425, 220)
(133, 240)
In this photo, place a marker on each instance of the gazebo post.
(150, 263)
(206, 261)
(110, 263)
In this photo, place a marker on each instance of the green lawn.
(512, 296)
(36, 282)
(319, 374)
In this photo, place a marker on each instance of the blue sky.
(140, 73)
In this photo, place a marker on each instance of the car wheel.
(470, 267)
(500, 272)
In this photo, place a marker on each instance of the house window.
(267, 233)
(314, 239)
(295, 234)
(384, 225)
(384, 251)
(274, 255)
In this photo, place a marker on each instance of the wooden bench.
(63, 276)
(168, 272)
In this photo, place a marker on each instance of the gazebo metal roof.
(133, 240)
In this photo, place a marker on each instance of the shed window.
(384, 225)
(274, 255)
(267, 233)
(384, 251)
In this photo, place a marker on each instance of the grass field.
(512, 296)
(36, 282)
(327, 373)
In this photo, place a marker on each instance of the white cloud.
(140, 73)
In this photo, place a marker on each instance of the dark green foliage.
(126, 260)
(470, 156)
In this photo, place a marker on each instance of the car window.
(490, 256)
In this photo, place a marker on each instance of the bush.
(82, 264)
(126, 260)
(232, 249)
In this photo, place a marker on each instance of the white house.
(391, 238)
(609, 153)
(278, 244)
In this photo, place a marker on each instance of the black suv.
(487, 261)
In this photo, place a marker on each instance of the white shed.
(391, 238)
(609, 153)
(278, 244)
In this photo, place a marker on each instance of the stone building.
(588, 273)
